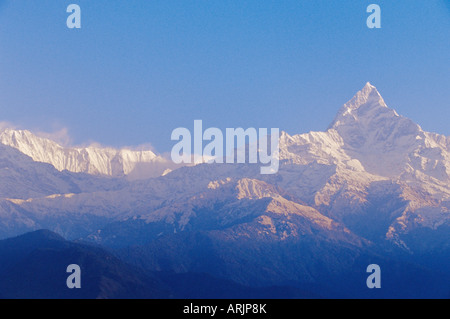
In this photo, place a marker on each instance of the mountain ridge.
(367, 143)
(94, 160)
(374, 181)
(36, 269)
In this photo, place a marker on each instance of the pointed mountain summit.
(366, 121)
(367, 135)
(366, 102)
(368, 94)
(385, 142)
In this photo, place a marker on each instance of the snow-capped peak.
(367, 112)
(368, 94)
(366, 102)
(92, 160)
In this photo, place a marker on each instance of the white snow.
(331, 172)
(92, 160)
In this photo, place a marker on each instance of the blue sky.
(136, 70)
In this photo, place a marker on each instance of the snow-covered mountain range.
(373, 177)
(94, 160)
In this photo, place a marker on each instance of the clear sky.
(137, 69)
